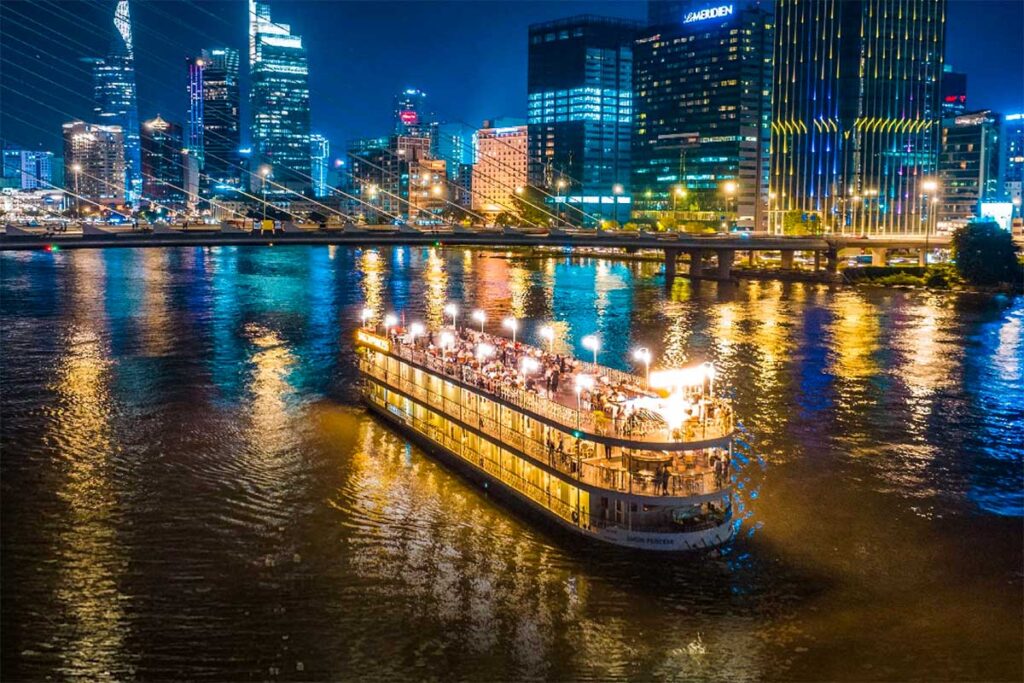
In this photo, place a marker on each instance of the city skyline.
(490, 83)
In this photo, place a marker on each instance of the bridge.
(707, 255)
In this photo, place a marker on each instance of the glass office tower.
(279, 88)
(214, 128)
(580, 114)
(116, 100)
(163, 176)
(856, 115)
(702, 87)
(319, 151)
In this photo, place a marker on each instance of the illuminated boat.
(641, 463)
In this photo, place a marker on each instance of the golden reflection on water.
(436, 278)
(373, 283)
(92, 619)
(268, 384)
(519, 287)
(157, 335)
(855, 333)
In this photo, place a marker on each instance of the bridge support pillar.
(922, 258)
(750, 258)
(832, 261)
(787, 259)
(671, 255)
(726, 257)
(696, 265)
(879, 257)
(817, 261)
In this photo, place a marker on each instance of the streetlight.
(529, 366)
(730, 187)
(930, 186)
(366, 315)
(480, 317)
(677, 194)
(264, 172)
(415, 330)
(582, 382)
(390, 320)
(511, 324)
(643, 354)
(453, 311)
(616, 191)
(547, 333)
(77, 168)
(591, 343)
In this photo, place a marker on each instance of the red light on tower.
(409, 117)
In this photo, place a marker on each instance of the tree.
(985, 254)
(505, 220)
(802, 223)
(454, 213)
(530, 207)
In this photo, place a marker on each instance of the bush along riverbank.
(939, 276)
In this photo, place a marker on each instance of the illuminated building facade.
(194, 139)
(580, 113)
(500, 168)
(411, 114)
(163, 167)
(856, 117)
(954, 92)
(319, 151)
(116, 100)
(94, 164)
(26, 169)
(969, 165)
(279, 93)
(702, 98)
(1013, 156)
(398, 178)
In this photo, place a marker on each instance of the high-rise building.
(453, 142)
(116, 99)
(1013, 160)
(398, 178)
(26, 169)
(702, 102)
(969, 166)
(219, 110)
(163, 176)
(279, 93)
(580, 108)
(319, 152)
(500, 167)
(856, 116)
(412, 116)
(954, 92)
(94, 164)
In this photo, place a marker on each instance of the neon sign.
(709, 13)
(409, 117)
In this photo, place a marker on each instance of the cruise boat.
(627, 460)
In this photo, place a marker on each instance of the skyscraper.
(319, 151)
(411, 114)
(94, 164)
(1013, 154)
(954, 92)
(27, 169)
(116, 100)
(969, 165)
(856, 115)
(279, 88)
(221, 120)
(702, 89)
(580, 109)
(194, 135)
(500, 167)
(163, 177)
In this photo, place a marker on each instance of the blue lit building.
(319, 153)
(279, 93)
(702, 102)
(116, 99)
(1013, 155)
(411, 114)
(580, 114)
(856, 113)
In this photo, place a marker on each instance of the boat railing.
(597, 474)
(719, 425)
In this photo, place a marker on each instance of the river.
(191, 489)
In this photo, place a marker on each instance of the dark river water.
(191, 489)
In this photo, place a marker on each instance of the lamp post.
(264, 172)
(729, 188)
(547, 333)
(480, 317)
(643, 354)
(930, 186)
(591, 343)
(390, 320)
(511, 324)
(453, 311)
(616, 193)
(561, 185)
(677, 194)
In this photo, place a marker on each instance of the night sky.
(470, 57)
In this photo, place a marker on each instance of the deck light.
(591, 343)
(480, 317)
(529, 366)
(415, 330)
(484, 351)
(582, 382)
(366, 315)
(512, 324)
(453, 311)
(548, 335)
(390, 320)
(643, 354)
(447, 340)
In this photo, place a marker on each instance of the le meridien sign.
(708, 13)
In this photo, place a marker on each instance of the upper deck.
(597, 402)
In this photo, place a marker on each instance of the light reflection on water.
(190, 488)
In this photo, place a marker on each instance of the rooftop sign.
(719, 12)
